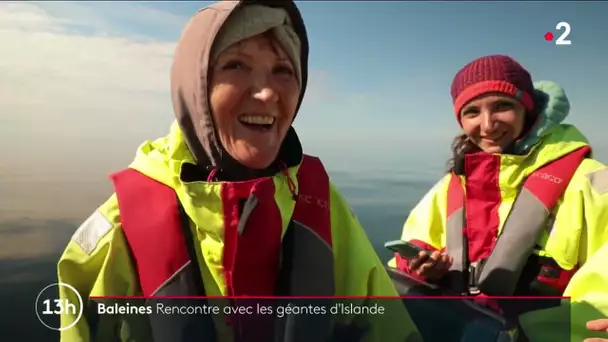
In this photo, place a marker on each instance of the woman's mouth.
(257, 122)
(493, 140)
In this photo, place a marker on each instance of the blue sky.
(384, 68)
(379, 80)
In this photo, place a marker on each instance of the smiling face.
(493, 122)
(254, 94)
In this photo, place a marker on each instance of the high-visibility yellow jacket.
(96, 261)
(588, 290)
(579, 229)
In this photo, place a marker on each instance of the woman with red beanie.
(523, 210)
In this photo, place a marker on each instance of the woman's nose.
(265, 94)
(264, 90)
(487, 122)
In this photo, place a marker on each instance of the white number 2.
(562, 39)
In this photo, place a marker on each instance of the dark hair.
(461, 145)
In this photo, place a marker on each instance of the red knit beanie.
(492, 74)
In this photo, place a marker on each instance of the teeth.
(257, 119)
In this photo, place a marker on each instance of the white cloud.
(22, 16)
(38, 56)
(112, 18)
(70, 80)
(74, 103)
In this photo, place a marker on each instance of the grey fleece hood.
(190, 97)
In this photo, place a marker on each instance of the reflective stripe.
(91, 231)
(250, 204)
(599, 181)
(526, 221)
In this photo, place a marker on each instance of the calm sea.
(31, 244)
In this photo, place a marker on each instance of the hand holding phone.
(432, 265)
(406, 250)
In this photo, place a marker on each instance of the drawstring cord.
(211, 175)
(290, 183)
(284, 170)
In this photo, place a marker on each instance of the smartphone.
(405, 249)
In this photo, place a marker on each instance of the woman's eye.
(234, 65)
(470, 112)
(283, 70)
(503, 106)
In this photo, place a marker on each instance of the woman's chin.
(255, 158)
(493, 150)
(493, 147)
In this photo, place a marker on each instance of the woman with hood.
(227, 206)
(523, 209)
